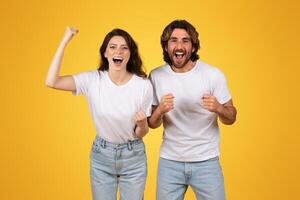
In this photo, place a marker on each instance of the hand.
(211, 103)
(141, 119)
(69, 33)
(166, 103)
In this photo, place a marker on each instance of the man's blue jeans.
(118, 164)
(205, 178)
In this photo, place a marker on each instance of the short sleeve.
(220, 89)
(155, 101)
(148, 98)
(82, 82)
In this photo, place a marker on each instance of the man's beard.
(182, 64)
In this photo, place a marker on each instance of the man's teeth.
(179, 54)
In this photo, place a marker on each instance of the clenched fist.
(210, 103)
(69, 33)
(141, 119)
(166, 103)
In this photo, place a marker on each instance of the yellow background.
(46, 134)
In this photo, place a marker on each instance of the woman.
(120, 99)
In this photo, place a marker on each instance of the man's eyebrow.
(185, 38)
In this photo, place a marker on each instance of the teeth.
(179, 54)
(117, 59)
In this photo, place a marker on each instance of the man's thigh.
(207, 180)
(171, 180)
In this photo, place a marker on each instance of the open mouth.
(179, 54)
(117, 60)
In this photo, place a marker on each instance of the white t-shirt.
(113, 107)
(191, 133)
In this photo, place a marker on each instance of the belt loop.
(129, 145)
(103, 144)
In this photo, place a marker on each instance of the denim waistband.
(106, 144)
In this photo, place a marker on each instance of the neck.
(187, 67)
(119, 77)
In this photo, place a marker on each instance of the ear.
(105, 54)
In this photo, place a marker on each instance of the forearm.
(227, 114)
(156, 119)
(53, 72)
(140, 132)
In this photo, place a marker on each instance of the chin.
(177, 65)
(118, 68)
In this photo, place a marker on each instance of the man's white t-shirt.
(191, 133)
(112, 106)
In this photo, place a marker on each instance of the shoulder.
(89, 74)
(209, 70)
(145, 82)
(158, 70)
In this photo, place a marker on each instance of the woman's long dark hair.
(134, 64)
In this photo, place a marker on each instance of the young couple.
(185, 94)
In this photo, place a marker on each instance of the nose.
(179, 44)
(118, 51)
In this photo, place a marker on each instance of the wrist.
(220, 109)
(159, 112)
(142, 125)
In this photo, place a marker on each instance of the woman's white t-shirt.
(112, 106)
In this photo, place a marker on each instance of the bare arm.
(156, 118)
(141, 124)
(226, 112)
(53, 79)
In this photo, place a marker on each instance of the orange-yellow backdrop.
(46, 134)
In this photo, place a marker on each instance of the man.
(189, 97)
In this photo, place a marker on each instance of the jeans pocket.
(139, 150)
(96, 147)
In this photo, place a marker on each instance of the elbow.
(229, 121)
(49, 84)
(152, 125)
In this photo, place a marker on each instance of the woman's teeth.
(117, 60)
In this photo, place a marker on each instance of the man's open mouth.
(179, 54)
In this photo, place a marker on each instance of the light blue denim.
(204, 177)
(113, 165)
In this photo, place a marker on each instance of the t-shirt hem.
(198, 159)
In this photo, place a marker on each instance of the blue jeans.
(118, 164)
(205, 178)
